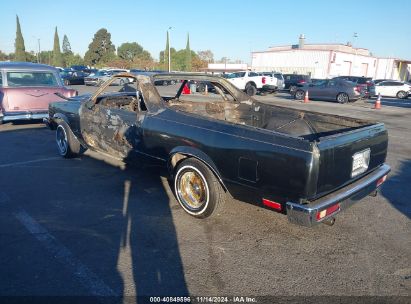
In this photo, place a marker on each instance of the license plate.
(360, 162)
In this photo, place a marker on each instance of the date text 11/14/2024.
(203, 299)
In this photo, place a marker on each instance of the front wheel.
(343, 98)
(197, 189)
(68, 146)
(299, 95)
(402, 95)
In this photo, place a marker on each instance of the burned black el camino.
(307, 165)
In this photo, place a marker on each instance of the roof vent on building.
(301, 41)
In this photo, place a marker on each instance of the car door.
(317, 91)
(383, 88)
(113, 124)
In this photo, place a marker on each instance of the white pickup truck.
(274, 81)
(248, 81)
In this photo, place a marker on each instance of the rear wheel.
(402, 95)
(299, 95)
(293, 88)
(343, 98)
(68, 146)
(197, 189)
(250, 89)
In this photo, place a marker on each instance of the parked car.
(393, 88)
(339, 90)
(26, 89)
(365, 84)
(96, 78)
(70, 77)
(247, 81)
(307, 165)
(379, 80)
(292, 80)
(80, 68)
(274, 81)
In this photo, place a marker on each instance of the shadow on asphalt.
(397, 194)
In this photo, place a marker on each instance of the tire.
(67, 145)
(250, 89)
(201, 88)
(293, 88)
(342, 98)
(402, 95)
(299, 95)
(172, 82)
(197, 189)
(165, 83)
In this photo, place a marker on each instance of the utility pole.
(38, 54)
(169, 48)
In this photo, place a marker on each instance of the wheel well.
(177, 158)
(251, 83)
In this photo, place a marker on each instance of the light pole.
(355, 36)
(169, 48)
(38, 54)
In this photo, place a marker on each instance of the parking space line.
(28, 162)
(87, 278)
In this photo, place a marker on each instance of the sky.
(229, 28)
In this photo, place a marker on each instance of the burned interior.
(218, 101)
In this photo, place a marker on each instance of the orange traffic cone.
(378, 102)
(306, 97)
(186, 90)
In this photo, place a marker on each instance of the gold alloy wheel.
(192, 190)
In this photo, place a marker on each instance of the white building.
(329, 60)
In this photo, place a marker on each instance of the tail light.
(301, 81)
(263, 80)
(326, 212)
(271, 204)
(381, 180)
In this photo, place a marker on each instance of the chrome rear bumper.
(10, 116)
(306, 215)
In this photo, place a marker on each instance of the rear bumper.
(269, 87)
(10, 116)
(306, 215)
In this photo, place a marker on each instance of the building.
(329, 60)
(226, 67)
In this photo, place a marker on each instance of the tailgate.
(338, 155)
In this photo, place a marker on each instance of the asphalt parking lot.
(92, 226)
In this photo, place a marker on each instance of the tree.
(130, 51)
(46, 57)
(180, 60)
(206, 56)
(101, 50)
(57, 56)
(73, 59)
(20, 50)
(188, 55)
(66, 46)
(3, 56)
(198, 64)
